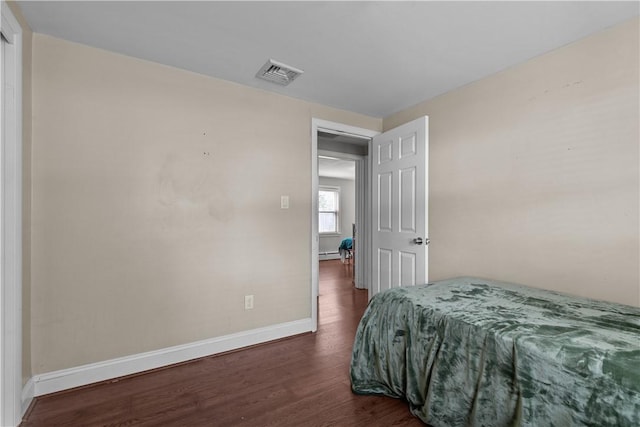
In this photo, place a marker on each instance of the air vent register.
(279, 73)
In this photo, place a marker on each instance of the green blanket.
(472, 352)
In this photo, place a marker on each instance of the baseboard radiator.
(328, 255)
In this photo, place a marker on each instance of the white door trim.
(11, 220)
(317, 124)
(362, 190)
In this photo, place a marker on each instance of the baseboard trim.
(327, 257)
(109, 369)
(28, 393)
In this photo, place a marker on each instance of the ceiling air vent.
(277, 72)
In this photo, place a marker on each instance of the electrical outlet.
(248, 302)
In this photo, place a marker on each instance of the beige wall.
(534, 171)
(27, 37)
(156, 205)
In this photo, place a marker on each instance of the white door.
(399, 207)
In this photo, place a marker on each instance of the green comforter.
(472, 352)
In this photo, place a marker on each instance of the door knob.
(417, 240)
(427, 242)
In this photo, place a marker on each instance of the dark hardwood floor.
(300, 381)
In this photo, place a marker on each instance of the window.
(328, 210)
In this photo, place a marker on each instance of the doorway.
(343, 143)
(336, 206)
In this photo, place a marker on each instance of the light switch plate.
(248, 302)
(284, 202)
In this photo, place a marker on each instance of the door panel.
(385, 151)
(399, 206)
(384, 268)
(407, 200)
(385, 198)
(408, 146)
(407, 269)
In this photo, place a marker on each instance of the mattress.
(476, 352)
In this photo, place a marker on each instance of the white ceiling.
(374, 58)
(332, 164)
(334, 167)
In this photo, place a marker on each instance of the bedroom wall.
(534, 171)
(156, 205)
(347, 212)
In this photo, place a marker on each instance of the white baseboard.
(328, 256)
(28, 393)
(95, 372)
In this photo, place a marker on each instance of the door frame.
(11, 220)
(335, 127)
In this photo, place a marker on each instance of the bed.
(474, 352)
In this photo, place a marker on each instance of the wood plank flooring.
(300, 381)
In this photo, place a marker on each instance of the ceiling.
(373, 58)
(333, 164)
(334, 167)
